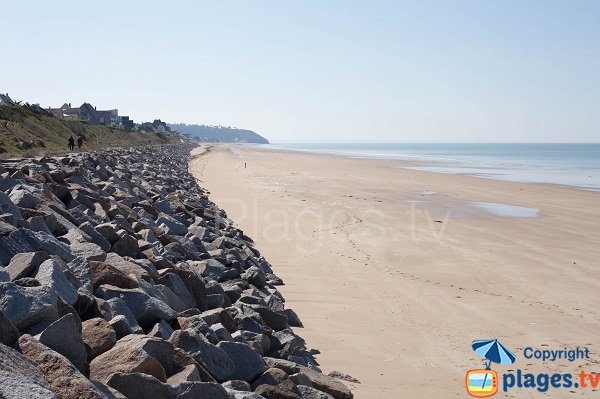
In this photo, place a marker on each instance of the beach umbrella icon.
(493, 351)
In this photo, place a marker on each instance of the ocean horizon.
(571, 164)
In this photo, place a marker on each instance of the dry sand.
(394, 297)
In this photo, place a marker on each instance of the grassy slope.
(49, 135)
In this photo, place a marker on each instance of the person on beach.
(71, 142)
(79, 142)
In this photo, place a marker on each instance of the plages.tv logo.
(483, 383)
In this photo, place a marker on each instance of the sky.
(323, 70)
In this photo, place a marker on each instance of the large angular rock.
(25, 307)
(116, 308)
(23, 264)
(212, 358)
(276, 321)
(198, 390)
(65, 380)
(104, 273)
(146, 309)
(8, 332)
(282, 364)
(96, 237)
(98, 336)
(255, 276)
(123, 358)
(190, 373)
(20, 378)
(82, 270)
(88, 250)
(50, 274)
(195, 286)
(275, 383)
(326, 383)
(210, 268)
(126, 246)
(127, 267)
(177, 286)
(312, 393)
(7, 206)
(174, 226)
(248, 363)
(63, 337)
(140, 386)
(24, 199)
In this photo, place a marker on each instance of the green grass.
(48, 135)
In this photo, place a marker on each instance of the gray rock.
(98, 336)
(116, 308)
(221, 332)
(211, 268)
(212, 358)
(50, 274)
(161, 330)
(248, 363)
(7, 206)
(25, 307)
(171, 299)
(20, 378)
(126, 245)
(177, 286)
(292, 318)
(127, 267)
(301, 379)
(96, 237)
(163, 206)
(63, 337)
(172, 224)
(81, 269)
(146, 309)
(327, 384)
(343, 376)
(108, 231)
(190, 373)
(237, 385)
(8, 332)
(47, 242)
(64, 379)
(125, 359)
(122, 327)
(255, 276)
(140, 386)
(308, 392)
(24, 199)
(37, 223)
(207, 390)
(276, 321)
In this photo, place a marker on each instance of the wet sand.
(394, 272)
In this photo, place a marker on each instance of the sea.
(572, 164)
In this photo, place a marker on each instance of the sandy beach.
(394, 272)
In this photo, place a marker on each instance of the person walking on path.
(71, 142)
(79, 141)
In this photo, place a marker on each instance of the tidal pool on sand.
(507, 210)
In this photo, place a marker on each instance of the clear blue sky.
(318, 70)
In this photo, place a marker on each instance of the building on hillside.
(6, 100)
(125, 123)
(86, 112)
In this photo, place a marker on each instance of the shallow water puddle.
(507, 210)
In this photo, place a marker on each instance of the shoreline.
(415, 291)
(455, 166)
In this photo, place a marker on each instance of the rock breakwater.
(119, 278)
